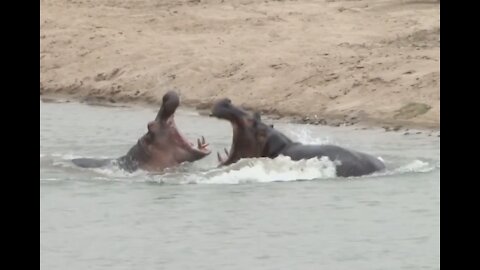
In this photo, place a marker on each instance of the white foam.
(65, 156)
(256, 170)
(61, 163)
(252, 170)
(49, 179)
(115, 172)
(271, 170)
(70, 156)
(415, 166)
(304, 135)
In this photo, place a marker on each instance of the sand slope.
(325, 61)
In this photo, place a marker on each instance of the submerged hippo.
(253, 138)
(161, 147)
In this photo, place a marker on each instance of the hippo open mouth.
(183, 142)
(232, 153)
(253, 138)
(244, 141)
(163, 146)
(164, 134)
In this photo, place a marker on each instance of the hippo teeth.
(220, 158)
(201, 144)
(184, 142)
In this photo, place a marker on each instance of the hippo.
(253, 138)
(163, 146)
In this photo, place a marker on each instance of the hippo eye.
(227, 102)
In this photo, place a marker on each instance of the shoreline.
(202, 108)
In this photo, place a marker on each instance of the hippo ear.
(271, 125)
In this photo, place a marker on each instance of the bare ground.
(327, 62)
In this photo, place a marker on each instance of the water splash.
(258, 170)
(416, 166)
(50, 179)
(113, 172)
(252, 170)
(304, 135)
(62, 156)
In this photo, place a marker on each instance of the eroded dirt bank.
(325, 62)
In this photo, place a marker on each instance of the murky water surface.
(256, 214)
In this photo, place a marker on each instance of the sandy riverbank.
(368, 61)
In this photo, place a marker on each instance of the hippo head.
(163, 145)
(251, 137)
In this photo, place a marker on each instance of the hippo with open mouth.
(163, 146)
(253, 138)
